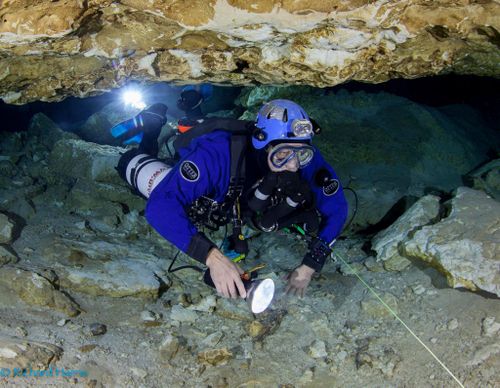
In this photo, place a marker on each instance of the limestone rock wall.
(53, 49)
(464, 246)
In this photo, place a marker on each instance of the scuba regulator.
(281, 199)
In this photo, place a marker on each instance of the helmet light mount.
(302, 128)
(282, 120)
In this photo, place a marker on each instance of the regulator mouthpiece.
(260, 294)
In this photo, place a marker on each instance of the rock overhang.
(54, 49)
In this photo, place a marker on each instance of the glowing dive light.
(260, 294)
(133, 98)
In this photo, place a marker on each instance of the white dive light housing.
(145, 172)
(260, 294)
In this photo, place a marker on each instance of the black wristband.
(199, 247)
(318, 253)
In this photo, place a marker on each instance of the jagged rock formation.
(25, 354)
(50, 50)
(37, 290)
(387, 242)
(487, 178)
(465, 245)
(6, 227)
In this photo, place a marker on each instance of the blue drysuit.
(204, 170)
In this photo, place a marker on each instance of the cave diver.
(266, 174)
(190, 101)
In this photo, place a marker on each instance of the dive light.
(133, 98)
(260, 292)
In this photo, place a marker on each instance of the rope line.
(400, 320)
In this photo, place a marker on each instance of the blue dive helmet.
(282, 120)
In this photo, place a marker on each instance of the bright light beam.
(133, 98)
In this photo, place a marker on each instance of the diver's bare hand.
(225, 275)
(298, 280)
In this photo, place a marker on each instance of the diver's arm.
(298, 280)
(225, 275)
(166, 211)
(332, 205)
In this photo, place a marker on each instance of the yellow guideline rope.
(399, 319)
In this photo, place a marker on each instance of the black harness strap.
(207, 125)
(237, 180)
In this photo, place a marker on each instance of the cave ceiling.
(51, 49)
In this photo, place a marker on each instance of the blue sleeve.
(330, 201)
(203, 170)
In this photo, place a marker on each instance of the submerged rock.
(378, 357)
(116, 279)
(80, 50)
(45, 132)
(86, 196)
(318, 349)
(207, 304)
(486, 178)
(35, 289)
(484, 353)
(6, 256)
(215, 357)
(62, 322)
(374, 308)
(78, 159)
(212, 340)
(96, 329)
(234, 309)
(141, 373)
(182, 314)
(169, 347)
(23, 353)
(103, 268)
(452, 324)
(465, 246)
(489, 327)
(418, 289)
(150, 316)
(6, 228)
(22, 208)
(306, 378)
(386, 243)
(255, 329)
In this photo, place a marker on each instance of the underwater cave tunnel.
(467, 104)
(393, 143)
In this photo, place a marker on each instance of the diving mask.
(281, 154)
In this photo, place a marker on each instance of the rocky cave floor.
(84, 282)
(337, 335)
